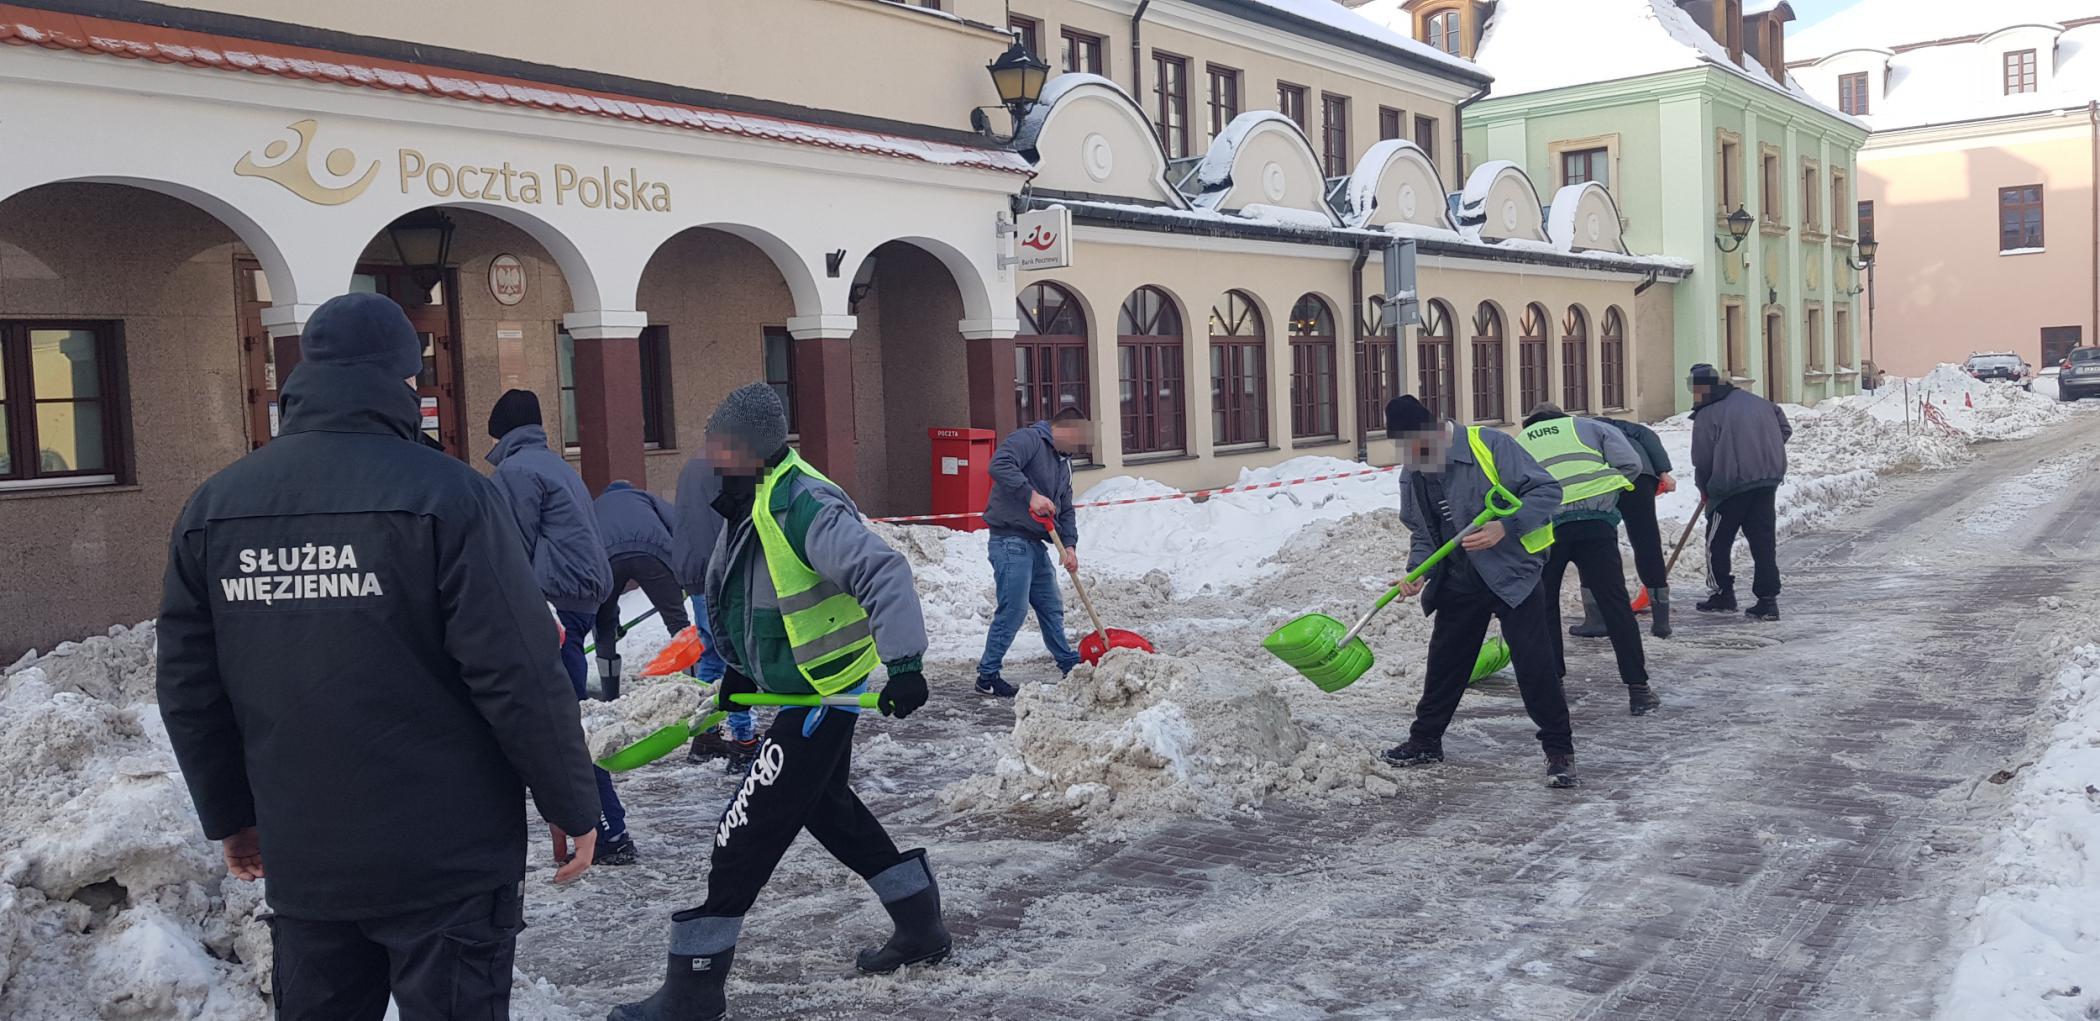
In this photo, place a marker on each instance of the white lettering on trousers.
(763, 772)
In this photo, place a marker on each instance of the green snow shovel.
(1494, 655)
(669, 739)
(1331, 656)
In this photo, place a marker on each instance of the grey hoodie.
(1508, 570)
(1738, 444)
(553, 511)
(634, 520)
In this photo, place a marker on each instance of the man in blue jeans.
(1031, 478)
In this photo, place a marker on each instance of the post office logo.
(291, 171)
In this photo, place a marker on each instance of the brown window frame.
(1290, 102)
(782, 381)
(1083, 47)
(654, 348)
(1377, 365)
(1811, 336)
(1853, 94)
(1225, 101)
(1171, 103)
(1840, 200)
(1731, 163)
(1771, 205)
(1238, 417)
(1489, 342)
(1392, 123)
(1030, 31)
(1811, 198)
(1611, 356)
(2022, 242)
(1334, 134)
(1425, 136)
(22, 448)
(1435, 359)
(1453, 41)
(1314, 385)
(1575, 361)
(1842, 348)
(1592, 159)
(1534, 351)
(2020, 71)
(1151, 373)
(1733, 350)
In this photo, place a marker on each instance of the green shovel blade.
(1494, 655)
(659, 744)
(1310, 645)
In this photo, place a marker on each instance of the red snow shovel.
(1640, 602)
(1095, 645)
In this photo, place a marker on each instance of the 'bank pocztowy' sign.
(562, 185)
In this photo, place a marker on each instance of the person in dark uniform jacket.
(361, 683)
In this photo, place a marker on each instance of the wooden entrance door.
(1775, 357)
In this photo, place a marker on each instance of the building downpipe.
(2092, 116)
(1137, 53)
(1356, 333)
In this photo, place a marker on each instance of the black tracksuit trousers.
(446, 963)
(1644, 533)
(1593, 547)
(797, 783)
(1756, 515)
(1461, 621)
(654, 577)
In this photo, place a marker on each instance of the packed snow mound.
(1964, 408)
(645, 705)
(112, 902)
(1145, 738)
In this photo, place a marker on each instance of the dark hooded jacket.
(698, 525)
(553, 513)
(1738, 443)
(1028, 462)
(634, 520)
(354, 659)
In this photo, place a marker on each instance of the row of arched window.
(1491, 356)
(1051, 370)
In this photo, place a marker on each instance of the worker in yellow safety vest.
(1594, 463)
(804, 600)
(1493, 574)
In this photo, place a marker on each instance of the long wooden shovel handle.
(1058, 540)
(1682, 539)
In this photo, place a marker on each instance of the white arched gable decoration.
(1583, 218)
(1499, 204)
(1262, 162)
(1086, 136)
(1396, 182)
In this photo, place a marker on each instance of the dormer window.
(1452, 26)
(2019, 72)
(1443, 31)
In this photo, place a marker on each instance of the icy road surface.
(1796, 834)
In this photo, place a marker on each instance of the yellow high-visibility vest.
(827, 628)
(1535, 541)
(1580, 469)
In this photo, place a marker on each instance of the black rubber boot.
(1659, 609)
(708, 746)
(692, 991)
(608, 679)
(1414, 753)
(1719, 602)
(1592, 625)
(1763, 609)
(913, 900)
(1560, 771)
(741, 755)
(1641, 699)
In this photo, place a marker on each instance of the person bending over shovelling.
(1738, 461)
(553, 514)
(1594, 465)
(1493, 574)
(693, 539)
(806, 599)
(357, 676)
(635, 525)
(1643, 531)
(1031, 477)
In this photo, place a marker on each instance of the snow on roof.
(1751, 7)
(1530, 46)
(1331, 14)
(1887, 24)
(1214, 171)
(1956, 82)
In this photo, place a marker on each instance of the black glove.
(734, 683)
(905, 693)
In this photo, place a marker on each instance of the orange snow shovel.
(1094, 645)
(1640, 602)
(683, 652)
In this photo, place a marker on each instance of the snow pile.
(112, 903)
(645, 705)
(2034, 939)
(1146, 738)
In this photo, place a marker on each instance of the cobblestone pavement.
(1790, 838)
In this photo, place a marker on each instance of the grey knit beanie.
(752, 416)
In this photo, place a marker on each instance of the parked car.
(1998, 365)
(2079, 376)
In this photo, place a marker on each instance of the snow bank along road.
(1796, 835)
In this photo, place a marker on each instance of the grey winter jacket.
(1655, 460)
(1619, 453)
(698, 525)
(1028, 463)
(1508, 570)
(840, 547)
(553, 511)
(1738, 444)
(634, 520)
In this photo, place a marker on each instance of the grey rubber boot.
(1592, 625)
(913, 900)
(608, 678)
(702, 950)
(1659, 611)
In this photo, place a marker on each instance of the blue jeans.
(575, 629)
(1023, 577)
(711, 668)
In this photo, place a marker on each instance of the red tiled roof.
(21, 26)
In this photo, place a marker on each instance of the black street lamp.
(1868, 248)
(1018, 76)
(423, 241)
(1739, 224)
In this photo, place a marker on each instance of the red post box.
(962, 474)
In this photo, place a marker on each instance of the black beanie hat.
(362, 329)
(1405, 414)
(513, 409)
(1705, 375)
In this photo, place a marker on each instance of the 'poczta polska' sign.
(291, 168)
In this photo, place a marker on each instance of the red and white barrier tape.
(1200, 494)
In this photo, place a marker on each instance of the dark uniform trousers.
(451, 962)
(1593, 547)
(1461, 621)
(654, 578)
(797, 782)
(1755, 514)
(1644, 532)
